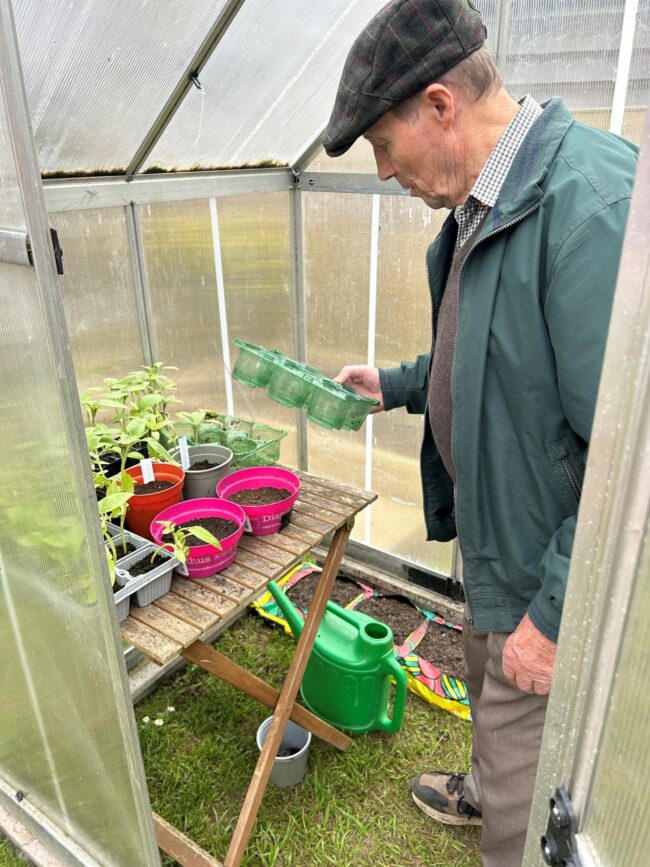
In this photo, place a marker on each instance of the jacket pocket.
(567, 463)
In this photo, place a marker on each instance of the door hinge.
(558, 844)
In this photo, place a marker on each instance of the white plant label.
(146, 466)
(247, 525)
(185, 455)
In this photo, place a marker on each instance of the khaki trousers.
(507, 736)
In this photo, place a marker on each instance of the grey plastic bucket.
(287, 770)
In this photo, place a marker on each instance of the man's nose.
(385, 168)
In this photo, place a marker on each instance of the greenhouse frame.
(164, 192)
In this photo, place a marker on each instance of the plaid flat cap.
(406, 46)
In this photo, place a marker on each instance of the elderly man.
(521, 277)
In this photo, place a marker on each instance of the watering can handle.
(393, 669)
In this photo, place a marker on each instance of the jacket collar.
(522, 188)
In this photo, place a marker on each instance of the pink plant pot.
(266, 519)
(203, 560)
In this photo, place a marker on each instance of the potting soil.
(259, 496)
(153, 487)
(203, 465)
(434, 668)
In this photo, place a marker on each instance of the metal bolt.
(550, 852)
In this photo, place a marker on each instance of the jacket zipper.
(518, 219)
(573, 479)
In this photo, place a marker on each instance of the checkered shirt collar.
(487, 186)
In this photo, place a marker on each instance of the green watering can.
(347, 681)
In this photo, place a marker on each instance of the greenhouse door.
(595, 760)
(70, 765)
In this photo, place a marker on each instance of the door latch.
(558, 843)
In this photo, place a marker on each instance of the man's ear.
(439, 105)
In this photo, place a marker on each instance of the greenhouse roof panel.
(98, 72)
(268, 88)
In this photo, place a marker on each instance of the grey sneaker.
(440, 796)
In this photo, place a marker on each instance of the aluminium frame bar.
(203, 54)
(299, 320)
(625, 50)
(140, 281)
(76, 194)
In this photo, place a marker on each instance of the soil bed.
(123, 551)
(204, 465)
(259, 496)
(219, 527)
(153, 487)
(443, 647)
(397, 613)
(344, 591)
(143, 566)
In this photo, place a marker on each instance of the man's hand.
(528, 658)
(365, 380)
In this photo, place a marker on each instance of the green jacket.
(535, 296)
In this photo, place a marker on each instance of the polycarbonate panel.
(407, 227)
(564, 48)
(336, 239)
(183, 306)
(256, 257)
(98, 72)
(179, 246)
(99, 294)
(268, 88)
(337, 243)
(67, 738)
(11, 205)
(638, 90)
(618, 829)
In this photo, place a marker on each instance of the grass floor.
(9, 857)
(353, 809)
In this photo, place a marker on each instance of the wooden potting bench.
(175, 625)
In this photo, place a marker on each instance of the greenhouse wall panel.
(273, 99)
(256, 259)
(99, 294)
(67, 740)
(98, 72)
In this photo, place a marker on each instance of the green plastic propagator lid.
(293, 383)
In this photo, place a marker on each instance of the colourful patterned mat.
(423, 678)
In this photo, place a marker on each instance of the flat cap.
(405, 47)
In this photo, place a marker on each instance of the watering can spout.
(289, 610)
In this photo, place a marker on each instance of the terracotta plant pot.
(143, 508)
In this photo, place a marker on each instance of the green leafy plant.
(195, 419)
(115, 504)
(177, 542)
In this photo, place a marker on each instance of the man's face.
(424, 154)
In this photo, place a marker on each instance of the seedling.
(179, 537)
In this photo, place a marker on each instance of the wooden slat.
(259, 546)
(286, 543)
(165, 623)
(302, 518)
(181, 848)
(257, 564)
(157, 647)
(216, 663)
(206, 598)
(328, 506)
(246, 577)
(333, 495)
(230, 589)
(331, 485)
(327, 519)
(187, 611)
(302, 536)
